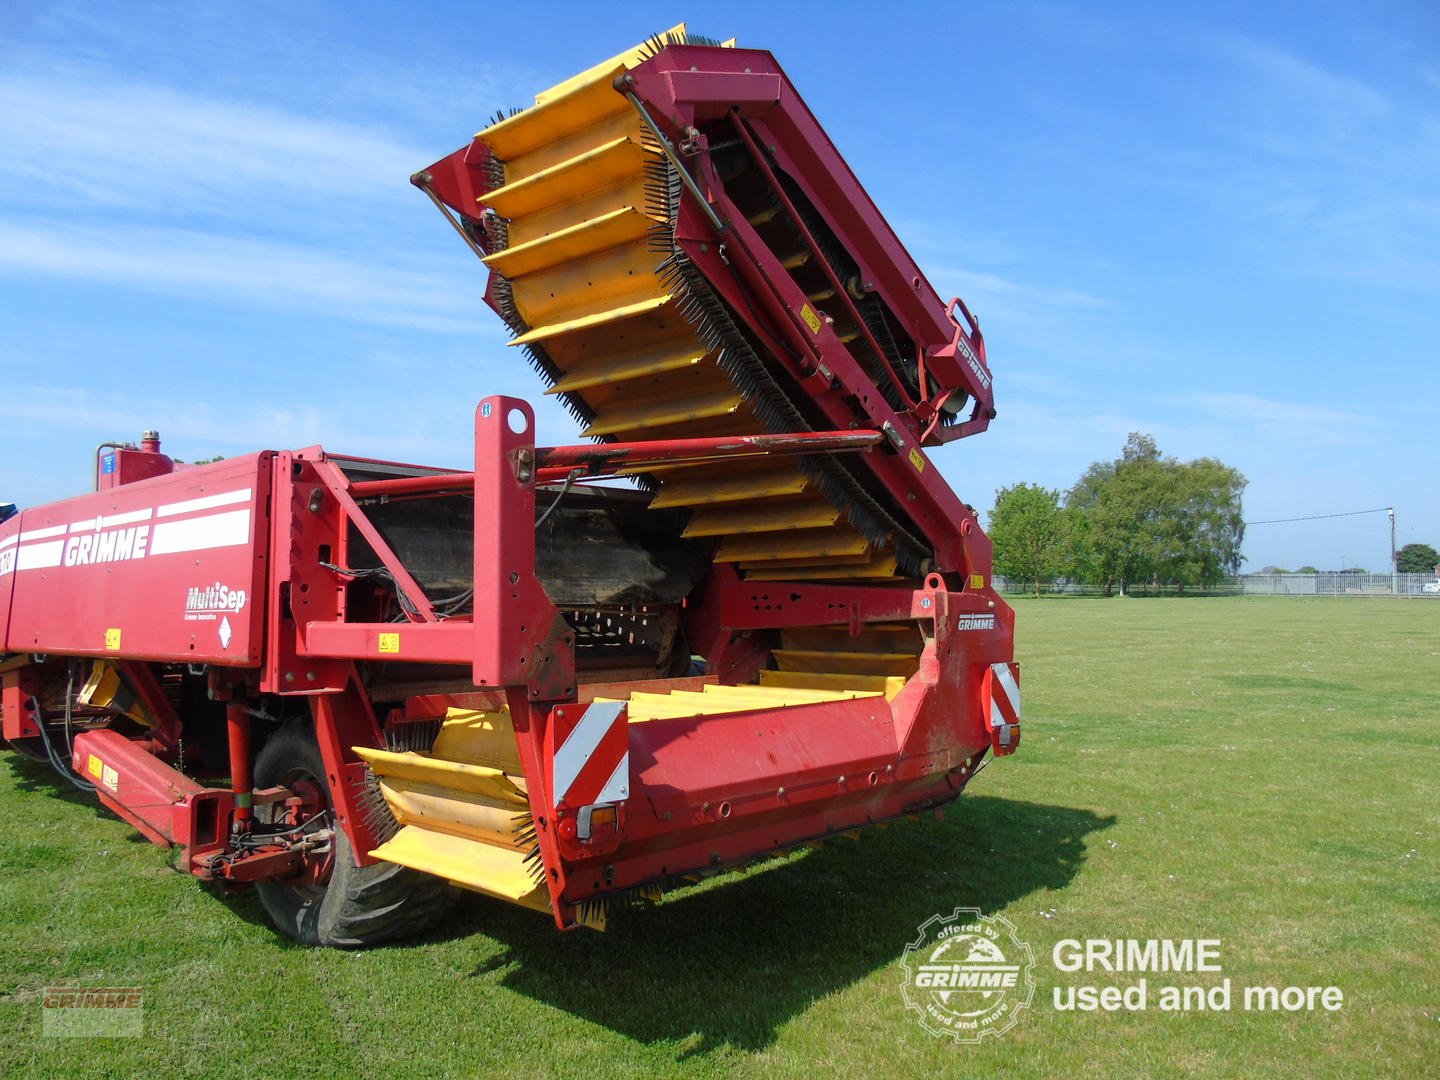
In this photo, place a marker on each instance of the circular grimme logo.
(968, 975)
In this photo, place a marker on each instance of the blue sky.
(1219, 224)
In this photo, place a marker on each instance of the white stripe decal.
(205, 502)
(572, 755)
(107, 521)
(43, 534)
(39, 556)
(1007, 681)
(127, 518)
(9, 540)
(617, 788)
(202, 533)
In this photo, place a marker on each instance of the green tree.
(1416, 559)
(1150, 518)
(1080, 563)
(1207, 525)
(1030, 533)
(1117, 500)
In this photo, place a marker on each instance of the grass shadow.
(39, 777)
(730, 961)
(728, 965)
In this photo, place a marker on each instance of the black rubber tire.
(360, 905)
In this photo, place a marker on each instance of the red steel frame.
(705, 791)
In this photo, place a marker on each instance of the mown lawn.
(1262, 771)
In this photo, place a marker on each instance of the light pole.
(1394, 565)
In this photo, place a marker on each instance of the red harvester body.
(313, 671)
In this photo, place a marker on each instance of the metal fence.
(1003, 585)
(1326, 584)
(1337, 584)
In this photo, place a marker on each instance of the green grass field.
(1265, 772)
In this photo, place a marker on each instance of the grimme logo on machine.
(974, 361)
(968, 975)
(210, 600)
(976, 622)
(112, 546)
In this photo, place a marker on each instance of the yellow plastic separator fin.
(663, 413)
(647, 706)
(606, 371)
(809, 543)
(590, 321)
(613, 278)
(575, 242)
(606, 164)
(454, 775)
(819, 662)
(475, 817)
(682, 703)
(883, 567)
(889, 685)
(771, 696)
(478, 737)
(723, 488)
(571, 212)
(809, 564)
(773, 516)
(623, 60)
(576, 103)
(500, 872)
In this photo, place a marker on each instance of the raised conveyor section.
(585, 194)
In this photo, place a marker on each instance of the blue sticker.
(107, 463)
(485, 410)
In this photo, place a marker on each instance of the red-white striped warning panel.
(591, 763)
(1002, 693)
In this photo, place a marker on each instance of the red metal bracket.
(520, 638)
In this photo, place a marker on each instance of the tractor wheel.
(333, 901)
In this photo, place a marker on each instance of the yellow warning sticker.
(917, 459)
(811, 319)
(112, 638)
(977, 581)
(94, 767)
(390, 643)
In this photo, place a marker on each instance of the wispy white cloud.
(1012, 310)
(111, 411)
(283, 275)
(118, 143)
(1337, 176)
(435, 426)
(1021, 295)
(1286, 88)
(1293, 422)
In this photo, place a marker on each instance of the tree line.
(1142, 519)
